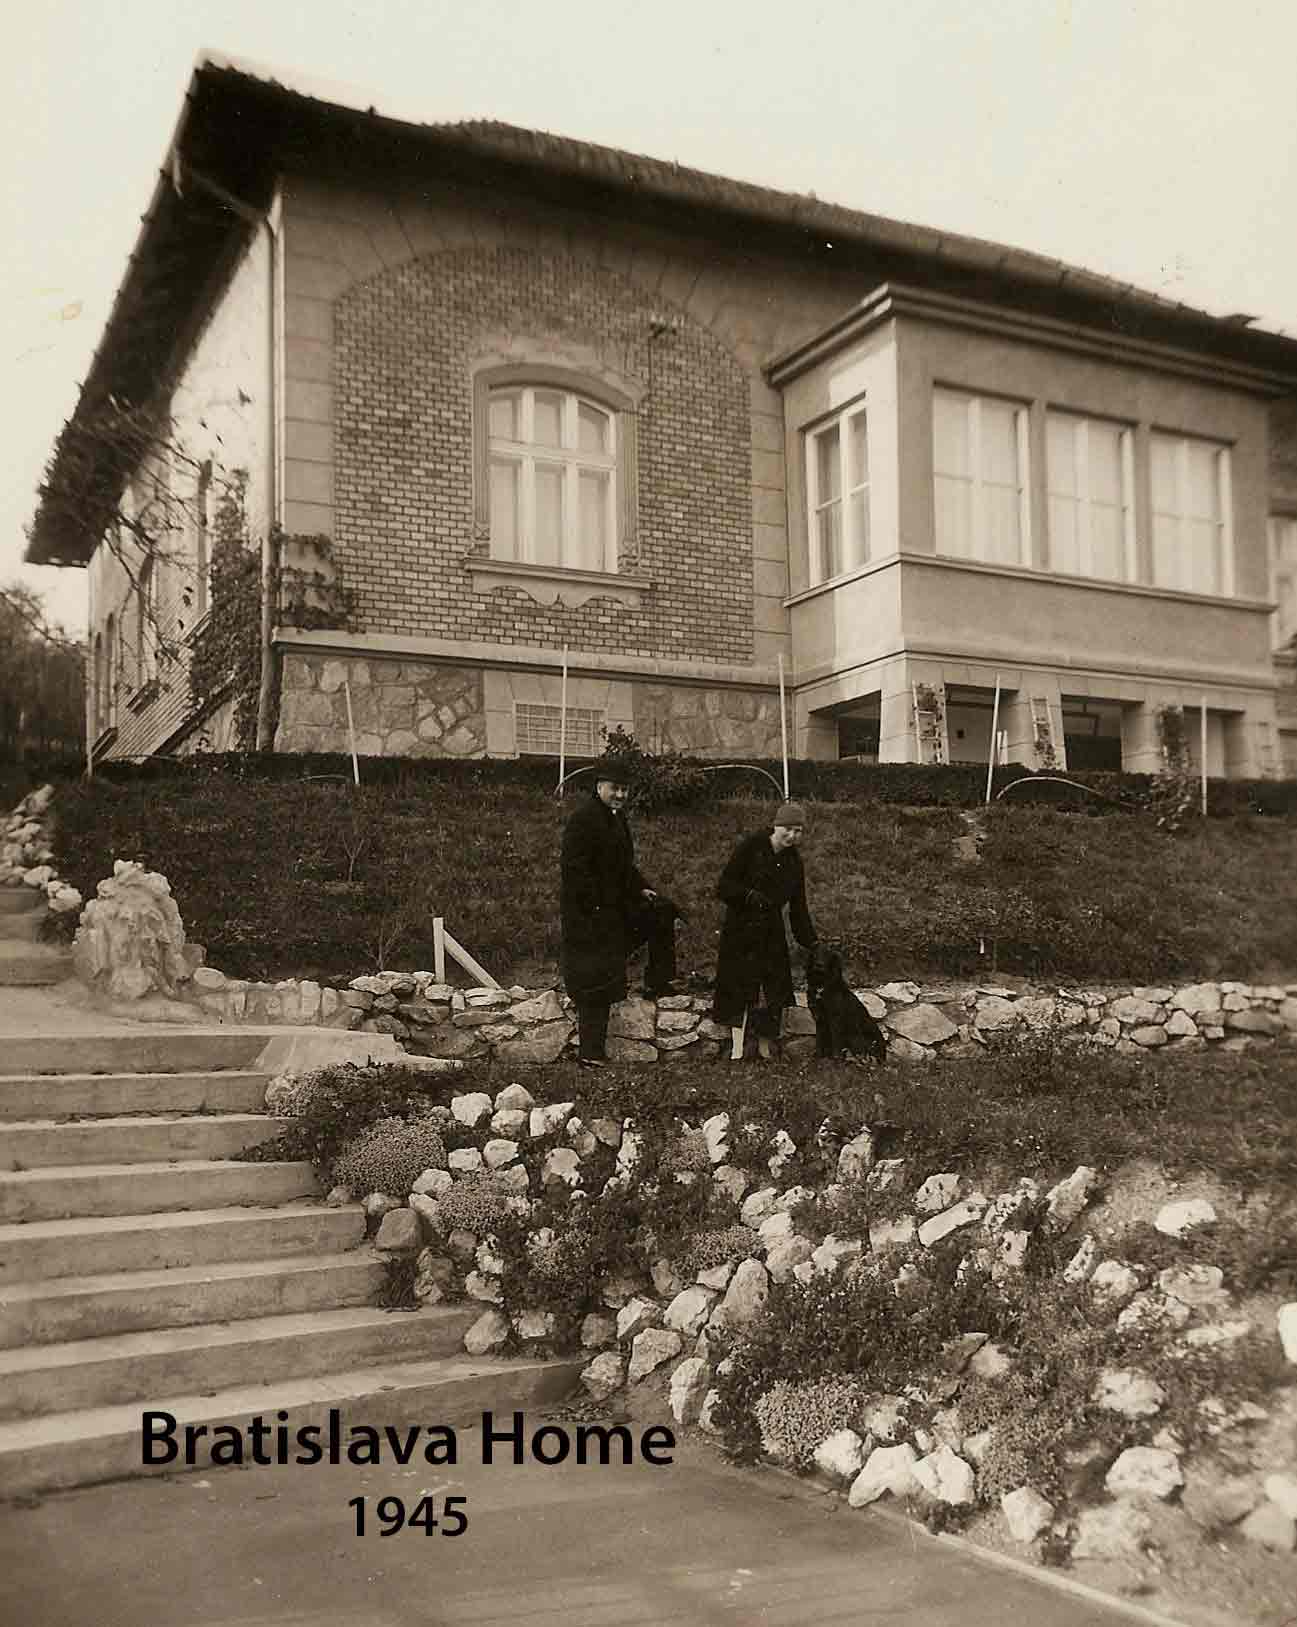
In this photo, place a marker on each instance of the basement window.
(537, 729)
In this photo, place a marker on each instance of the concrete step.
(90, 1095)
(20, 900)
(105, 1372)
(43, 1313)
(42, 1143)
(24, 928)
(165, 1052)
(32, 965)
(107, 1443)
(41, 1251)
(148, 1188)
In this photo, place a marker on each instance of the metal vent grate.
(536, 729)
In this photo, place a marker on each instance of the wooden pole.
(995, 733)
(439, 948)
(351, 733)
(562, 726)
(783, 724)
(457, 951)
(1202, 750)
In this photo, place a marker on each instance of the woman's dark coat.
(600, 889)
(754, 947)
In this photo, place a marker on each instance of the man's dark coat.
(600, 890)
(754, 947)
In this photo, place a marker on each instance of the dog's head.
(823, 966)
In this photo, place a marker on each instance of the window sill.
(552, 584)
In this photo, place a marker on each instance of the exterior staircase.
(143, 1268)
(25, 961)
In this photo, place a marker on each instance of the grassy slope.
(310, 878)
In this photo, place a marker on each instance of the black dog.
(842, 1025)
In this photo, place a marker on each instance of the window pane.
(547, 543)
(1203, 494)
(592, 428)
(594, 488)
(949, 433)
(857, 549)
(504, 509)
(1163, 450)
(1003, 517)
(1202, 573)
(1060, 446)
(857, 452)
(954, 504)
(1166, 536)
(504, 416)
(1064, 535)
(829, 525)
(1107, 543)
(999, 443)
(828, 470)
(1105, 463)
(547, 419)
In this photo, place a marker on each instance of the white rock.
(467, 1160)
(1269, 1527)
(841, 1456)
(509, 1121)
(1216, 1333)
(857, 1157)
(1194, 1284)
(1178, 1219)
(1113, 1282)
(887, 1469)
(1114, 1531)
(477, 1285)
(745, 1297)
(1281, 1489)
(731, 1181)
(534, 1324)
(951, 1220)
(706, 1415)
(689, 1311)
(490, 1330)
(689, 1384)
(1081, 1264)
(650, 1349)
(604, 1376)
(499, 1153)
(716, 1131)
(1145, 1471)
(597, 1330)
(514, 1098)
(776, 1226)
(377, 1204)
(783, 1257)
(1286, 1321)
(561, 1164)
(1065, 1201)
(833, 1251)
(1131, 1393)
(1148, 1311)
(943, 1474)
(1026, 1512)
(892, 1233)
(545, 1120)
(937, 1192)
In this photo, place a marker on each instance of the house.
(576, 423)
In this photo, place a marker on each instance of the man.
(754, 978)
(607, 911)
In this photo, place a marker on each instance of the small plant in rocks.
(390, 1156)
(795, 1418)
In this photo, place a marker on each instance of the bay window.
(980, 469)
(1283, 578)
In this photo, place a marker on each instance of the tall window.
(980, 476)
(553, 479)
(1192, 540)
(1283, 578)
(112, 673)
(99, 701)
(202, 541)
(146, 622)
(837, 490)
(1091, 497)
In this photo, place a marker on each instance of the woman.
(753, 975)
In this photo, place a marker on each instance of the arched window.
(553, 459)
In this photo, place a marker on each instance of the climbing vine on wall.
(227, 646)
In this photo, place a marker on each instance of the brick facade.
(405, 345)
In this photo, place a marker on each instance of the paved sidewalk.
(692, 1544)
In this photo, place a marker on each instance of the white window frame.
(855, 539)
(1224, 521)
(1083, 499)
(527, 455)
(146, 625)
(536, 728)
(978, 507)
(1282, 539)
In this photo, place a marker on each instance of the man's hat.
(789, 814)
(611, 770)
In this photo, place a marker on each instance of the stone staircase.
(142, 1268)
(25, 961)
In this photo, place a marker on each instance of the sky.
(1151, 140)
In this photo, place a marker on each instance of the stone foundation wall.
(923, 1021)
(400, 708)
(706, 722)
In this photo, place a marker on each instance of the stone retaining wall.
(923, 1020)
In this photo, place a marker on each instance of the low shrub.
(795, 1418)
(390, 1156)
